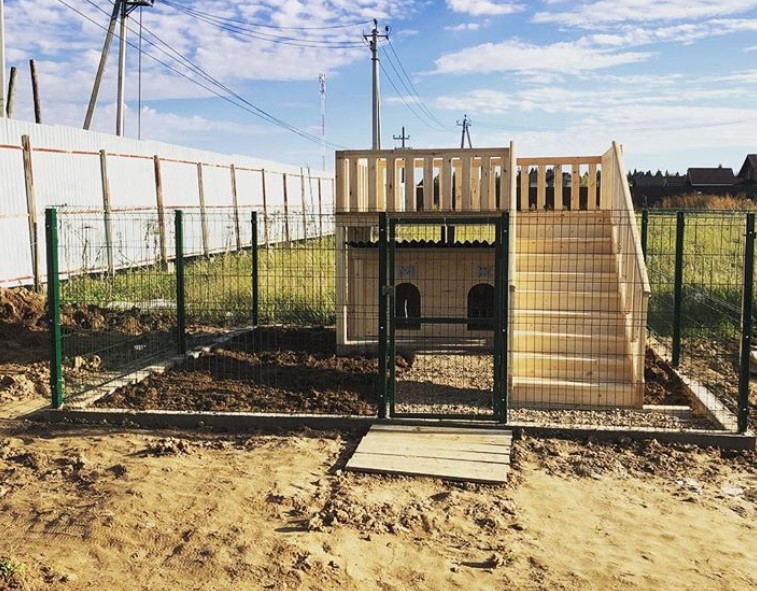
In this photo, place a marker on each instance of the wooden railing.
(454, 180)
(556, 166)
(632, 270)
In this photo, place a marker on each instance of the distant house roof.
(711, 177)
(675, 180)
(748, 172)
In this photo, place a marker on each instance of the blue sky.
(675, 82)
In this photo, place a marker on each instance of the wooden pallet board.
(459, 453)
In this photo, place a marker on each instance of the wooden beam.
(557, 176)
(524, 187)
(445, 185)
(428, 184)
(575, 187)
(592, 187)
(537, 161)
(410, 203)
(541, 187)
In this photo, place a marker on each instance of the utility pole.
(465, 124)
(10, 105)
(373, 40)
(35, 92)
(121, 9)
(322, 90)
(2, 61)
(402, 137)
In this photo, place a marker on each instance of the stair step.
(565, 263)
(599, 368)
(567, 245)
(532, 341)
(565, 225)
(583, 301)
(573, 280)
(553, 394)
(569, 321)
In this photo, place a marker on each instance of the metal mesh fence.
(289, 309)
(697, 267)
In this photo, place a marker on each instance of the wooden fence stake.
(31, 210)
(286, 210)
(11, 104)
(304, 207)
(235, 203)
(107, 211)
(320, 209)
(161, 211)
(203, 213)
(35, 92)
(265, 209)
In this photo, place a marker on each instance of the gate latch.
(387, 290)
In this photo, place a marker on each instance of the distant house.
(710, 177)
(675, 180)
(748, 173)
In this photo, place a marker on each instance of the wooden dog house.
(576, 274)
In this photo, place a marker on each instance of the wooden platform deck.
(459, 453)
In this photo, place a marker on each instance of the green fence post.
(53, 308)
(501, 293)
(181, 307)
(746, 324)
(382, 313)
(678, 290)
(644, 231)
(392, 312)
(255, 277)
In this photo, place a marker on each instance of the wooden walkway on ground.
(450, 453)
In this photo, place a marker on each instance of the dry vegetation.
(704, 202)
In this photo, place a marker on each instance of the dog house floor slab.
(459, 453)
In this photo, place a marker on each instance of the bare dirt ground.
(106, 508)
(103, 507)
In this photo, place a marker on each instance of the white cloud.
(484, 7)
(513, 55)
(463, 27)
(750, 48)
(595, 13)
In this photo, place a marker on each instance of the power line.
(423, 105)
(245, 104)
(279, 27)
(405, 101)
(245, 31)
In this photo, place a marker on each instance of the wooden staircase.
(569, 343)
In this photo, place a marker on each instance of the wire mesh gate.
(443, 317)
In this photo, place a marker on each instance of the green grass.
(296, 285)
(713, 266)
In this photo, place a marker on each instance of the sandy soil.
(96, 509)
(107, 508)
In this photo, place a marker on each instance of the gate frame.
(387, 345)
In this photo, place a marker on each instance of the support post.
(107, 220)
(678, 290)
(121, 101)
(501, 315)
(265, 209)
(2, 60)
(203, 213)
(31, 210)
(255, 276)
(35, 92)
(11, 105)
(161, 211)
(746, 324)
(181, 308)
(383, 290)
(320, 209)
(391, 390)
(53, 308)
(235, 204)
(101, 66)
(286, 211)
(304, 207)
(644, 231)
